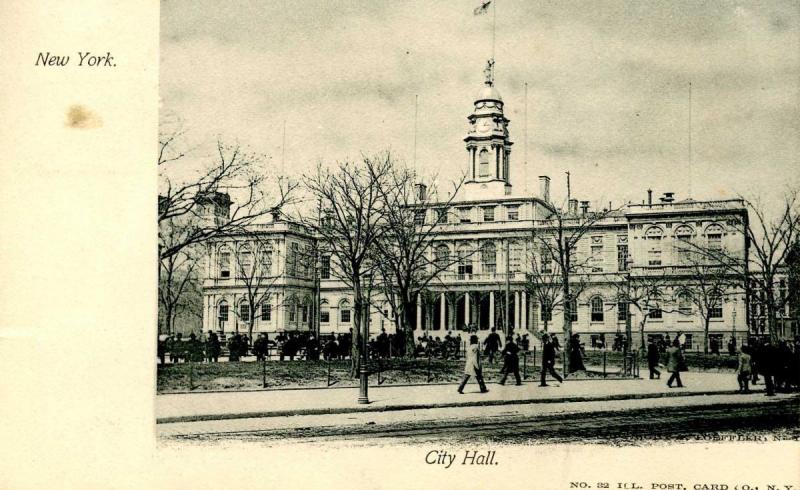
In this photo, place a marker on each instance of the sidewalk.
(188, 407)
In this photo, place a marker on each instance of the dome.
(489, 92)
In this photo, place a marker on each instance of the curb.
(477, 403)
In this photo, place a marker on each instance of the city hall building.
(489, 227)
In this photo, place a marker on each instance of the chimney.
(668, 197)
(584, 207)
(544, 188)
(649, 197)
(422, 191)
(573, 207)
(276, 215)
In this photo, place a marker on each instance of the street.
(620, 422)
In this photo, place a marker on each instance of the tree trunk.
(706, 322)
(409, 310)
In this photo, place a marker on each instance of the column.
(524, 310)
(419, 313)
(278, 313)
(466, 309)
(517, 311)
(491, 309)
(442, 312)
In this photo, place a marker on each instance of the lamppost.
(363, 386)
(628, 328)
(735, 304)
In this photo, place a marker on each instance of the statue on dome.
(488, 72)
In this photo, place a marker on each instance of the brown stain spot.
(79, 117)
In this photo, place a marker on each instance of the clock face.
(484, 125)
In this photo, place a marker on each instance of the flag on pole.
(482, 9)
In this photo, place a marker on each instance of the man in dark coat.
(161, 350)
(492, 345)
(510, 361)
(234, 348)
(674, 361)
(213, 347)
(575, 354)
(260, 347)
(652, 359)
(548, 360)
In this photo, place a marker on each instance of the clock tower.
(488, 145)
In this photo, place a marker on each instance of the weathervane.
(488, 72)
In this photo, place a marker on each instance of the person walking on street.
(652, 359)
(548, 360)
(213, 347)
(743, 369)
(674, 362)
(510, 361)
(575, 354)
(492, 344)
(472, 365)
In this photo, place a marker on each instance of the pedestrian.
(510, 361)
(743, 369)
(548, 360)
(652, 359)
(767, 363)
(213, 347)
(674, 362)
(260, 347)
(234, 348)
(472, 366)
(575, 355)
(732, 346)
(161, 350)
(492, 345)
(714, 346)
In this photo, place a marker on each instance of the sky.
(608, 88)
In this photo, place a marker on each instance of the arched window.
(489, 257)
(483, 163)
(324, 313)
(546, 313)
(653, 237)
(714, 237)
(597, 309)
(222, 311)
(305, 308)
(685, 303)
(292, 309)
(683, 235)
(464, 261)
(244, 311)
(442, 256)
(224, 262)
(573, 310)
(344, 311)
(265, 261)
(245, 262)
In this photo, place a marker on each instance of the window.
(546, 259)
(223, 311)
(464, 215)
(483, 163)
(715, 306)
(419, 217)
(325, 316)
(464, 261)
(488, 213)
(266, 263)
(688, 344)
(685, 303)
(683, 235)
(597, 309)
(514, 257)
(225, 263)
(345, 315)
(573, 310)
(292, 310)
(244, 311)
(512, 212)
(441, 216)
(304, 313)
(597, 254)
(325, 267)
(622, 257)
(293, 257)
(246, 263)
(653, 238)
(547, 313)
(622, 311)
(266, 312)
(442, 254)
(655, 312)
(489, 257)
(714, 237)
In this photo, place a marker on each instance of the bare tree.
(408, 260)
(235, 179)
(647, 292)
(177, 283)
(258, 269)
(769, 238)
(354, 220)
(559, 239)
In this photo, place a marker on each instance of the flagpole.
(494, 18)
(525, 146)
(690, 140)
(416, 101)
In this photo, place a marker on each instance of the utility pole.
(568, 190)
(508, 287)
